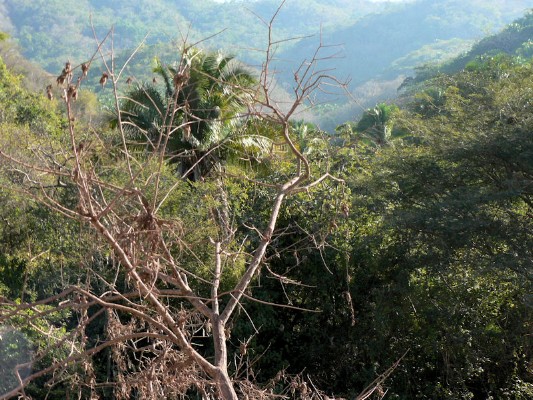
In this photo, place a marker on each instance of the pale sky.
(371, 1)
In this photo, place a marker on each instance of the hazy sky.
(372, 1)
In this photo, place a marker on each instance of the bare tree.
(158, 317)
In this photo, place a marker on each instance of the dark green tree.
(199, 112)
(430, 253)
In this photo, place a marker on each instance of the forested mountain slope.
(416, 246)
(372, 44)
(49, 31)
(377, 39)
(379, 50)
(516, 39)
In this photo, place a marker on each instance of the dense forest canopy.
(181, 235)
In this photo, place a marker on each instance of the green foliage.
(429, 250)
(454, 238)
(39, 248)
(15, 349)
(426, 247)
(376, 124)
(513, 43)
(24, 108)
(198, 111)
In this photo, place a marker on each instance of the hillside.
(49, 31)
(375, 42)
(374, 45)
(199, 251)
(515, 40)
(378, 50)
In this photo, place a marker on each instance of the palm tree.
(376, 124)
(196, 117)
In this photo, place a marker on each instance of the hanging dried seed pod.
(243, 348)
(129, 80)
(61, 78)
(49, 93)
(72, 92)
(85, 69)
(181, 77)
(103, 79)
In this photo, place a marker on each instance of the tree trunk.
(223, 381)
(225, 386)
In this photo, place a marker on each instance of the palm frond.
(142, 112)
